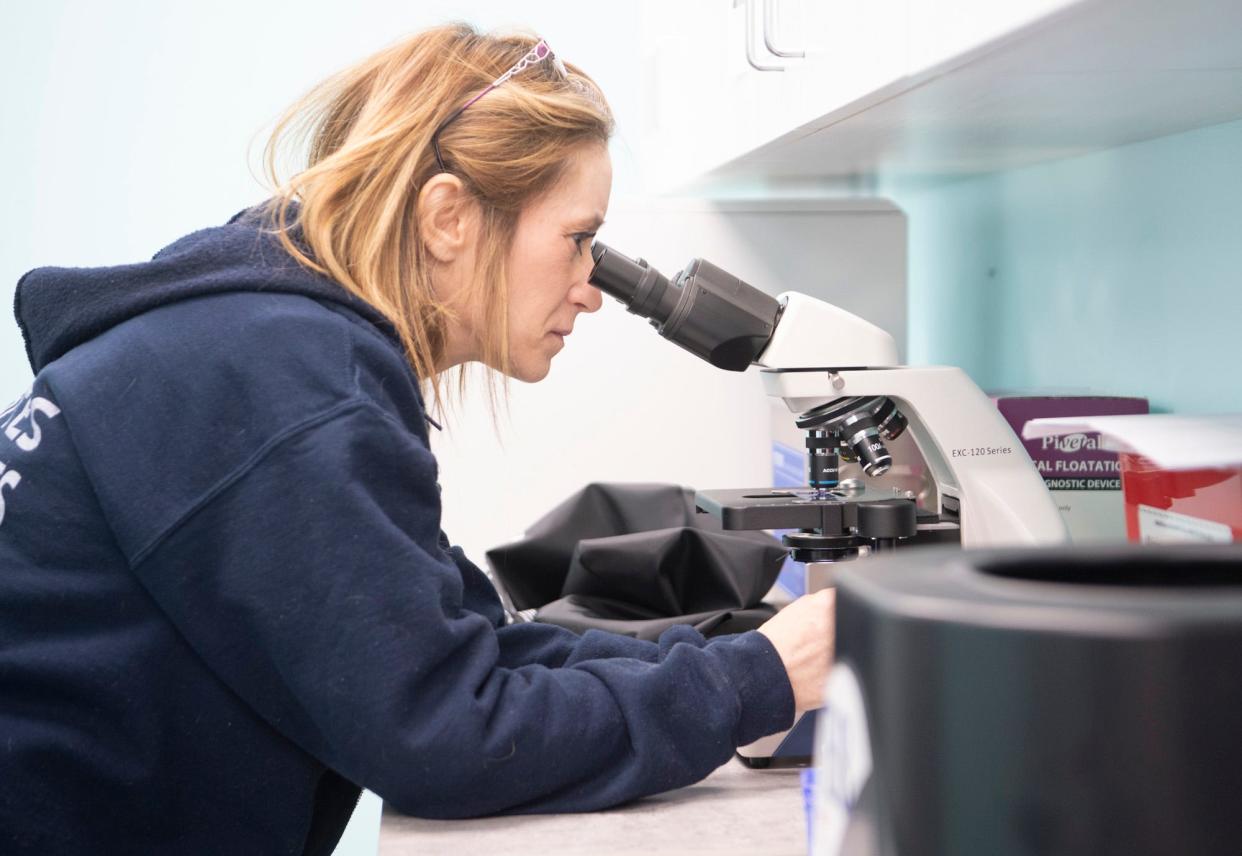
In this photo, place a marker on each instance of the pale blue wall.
(1119, 271)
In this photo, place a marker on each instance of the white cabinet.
(687, 91)
(853, 49)
(964, 87)
(941, 31)
(716, 92)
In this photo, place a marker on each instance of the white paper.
(1161, 526)
(1170, 440)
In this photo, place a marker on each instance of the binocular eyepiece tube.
(643, 289)
(704, 309)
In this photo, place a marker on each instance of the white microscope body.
(974, 458)
(981, 471)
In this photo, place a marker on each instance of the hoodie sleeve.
(314, 584)
(557, 647)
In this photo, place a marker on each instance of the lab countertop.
(732, 812)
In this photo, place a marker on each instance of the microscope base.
(792, 748)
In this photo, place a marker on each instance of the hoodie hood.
(60, 308)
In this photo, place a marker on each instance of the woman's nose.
(586, 295)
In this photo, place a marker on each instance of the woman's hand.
(802, 634)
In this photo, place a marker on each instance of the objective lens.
(889, 420)
(871, 451)
(860, 425)
(823, 467)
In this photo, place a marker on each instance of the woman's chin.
(530, 370)
(532, 365)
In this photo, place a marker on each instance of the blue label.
(788, 466)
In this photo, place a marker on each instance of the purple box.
(1084, 479)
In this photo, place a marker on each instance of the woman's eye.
(582, 240)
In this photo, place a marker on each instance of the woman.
(225, 599)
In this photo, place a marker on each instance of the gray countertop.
(735, 810)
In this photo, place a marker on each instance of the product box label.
(1070, 461)
(1084, 478)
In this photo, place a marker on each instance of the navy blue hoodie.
(226, 602)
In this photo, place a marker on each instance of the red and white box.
(1181, 476)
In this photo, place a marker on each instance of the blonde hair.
(351, 213)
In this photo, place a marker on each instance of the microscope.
(838, 375)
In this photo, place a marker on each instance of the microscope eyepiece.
(642, 288)
(704, 309)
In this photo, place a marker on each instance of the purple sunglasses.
(538, 53)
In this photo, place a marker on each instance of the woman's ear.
(446, 217)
